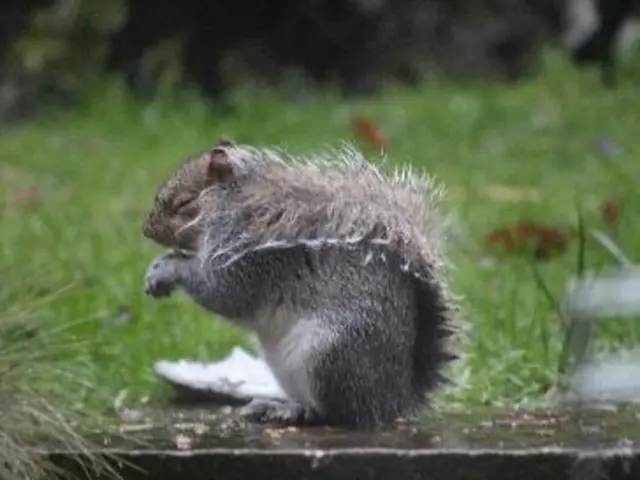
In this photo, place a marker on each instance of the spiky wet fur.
(337, 198)
(332, 218)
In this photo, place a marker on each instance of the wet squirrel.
(336, 268)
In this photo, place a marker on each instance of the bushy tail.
(434, 324)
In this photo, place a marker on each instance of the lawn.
(75, 186)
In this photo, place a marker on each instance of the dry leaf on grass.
(370, 132)
(27, 196)
(542, 240)
(610, 210)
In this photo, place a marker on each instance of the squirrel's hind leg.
(284, 413)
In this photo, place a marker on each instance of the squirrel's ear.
(225, 143)
(219, 168)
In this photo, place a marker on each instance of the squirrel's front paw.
(161, 277)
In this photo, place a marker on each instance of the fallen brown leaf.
(542, 240)
(370, 132)
(610, 210)
(27, 196)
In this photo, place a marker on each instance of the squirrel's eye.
(180, 204)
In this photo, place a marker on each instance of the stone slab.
(198, 444)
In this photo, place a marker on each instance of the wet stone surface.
(593, 443)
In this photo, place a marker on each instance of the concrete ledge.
(370, 464)
(589, 445)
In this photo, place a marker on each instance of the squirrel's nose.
(147, 231)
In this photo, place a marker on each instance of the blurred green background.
(100, 100)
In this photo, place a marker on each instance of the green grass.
(39, 404)
(98, 166)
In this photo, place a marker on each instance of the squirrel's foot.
(161, 278)
(285, 413)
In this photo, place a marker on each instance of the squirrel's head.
(176, 202)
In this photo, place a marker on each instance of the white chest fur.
(291, 343)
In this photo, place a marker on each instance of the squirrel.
(335, 266)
